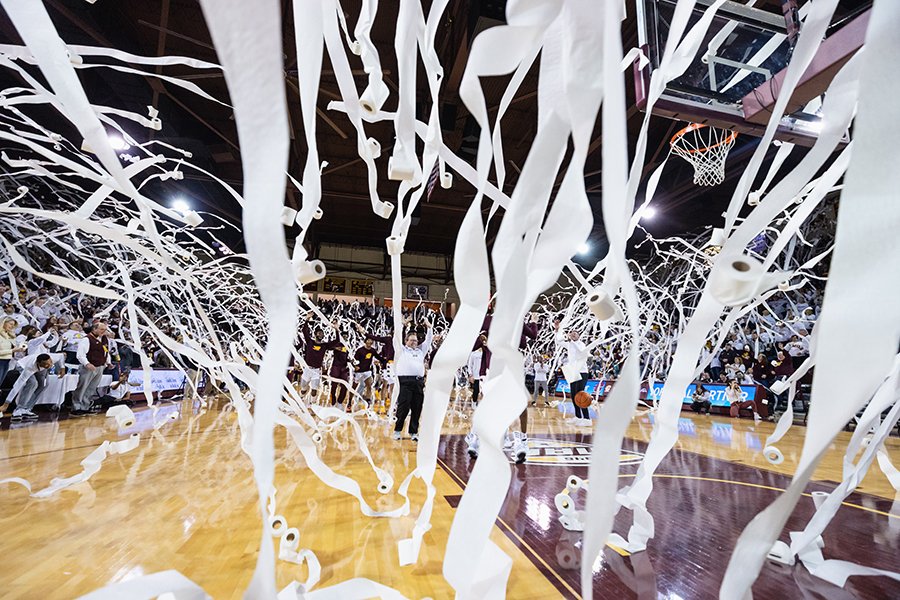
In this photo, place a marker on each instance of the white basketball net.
(706, 148)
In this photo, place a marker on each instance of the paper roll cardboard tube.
(374, 96)
(370, 146)
(291, 539)
(394, 245)
(384, 209)
(309, 271)
(601, 305)
(277, 525)
(736, 281)
(400, 168)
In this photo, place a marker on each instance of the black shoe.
(30, 416)
(79, 413)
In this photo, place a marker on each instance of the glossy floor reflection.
(185, 499)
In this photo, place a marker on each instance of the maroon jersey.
(363, 357)
(387, 345)
(340, 358)
(314, 352)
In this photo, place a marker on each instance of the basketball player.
(362, 358)
(314, 351)
(339, 373)
(386, 357)
(520, 443)
(577, 355)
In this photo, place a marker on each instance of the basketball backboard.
(735, 77)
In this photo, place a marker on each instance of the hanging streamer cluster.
(79, 199)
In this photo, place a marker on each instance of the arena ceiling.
(177, 27)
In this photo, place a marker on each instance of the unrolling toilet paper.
(601, 305)
(122, 414)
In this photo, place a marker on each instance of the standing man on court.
(576, 364)
(93, 358)
(541, 371)
(409, 369)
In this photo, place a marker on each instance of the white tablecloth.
(56, 389)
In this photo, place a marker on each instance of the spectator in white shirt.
(31, 383)
(409, 368)
(38, 313)
(70, 340)
(20, 318)
(475, 377)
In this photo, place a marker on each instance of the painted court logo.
(564, 453)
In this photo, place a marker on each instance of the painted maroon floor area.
(697, 525)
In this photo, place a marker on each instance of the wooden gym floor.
(185, 499)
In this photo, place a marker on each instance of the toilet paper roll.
(374, 96)
(370, 146)
(781, 553)
(277, 525)
(395, 245)
(818, 498)
(122, 414)
(304, 297)
(173, 416)
(291, 538)
(601, 305)
(718, 237)
(308, 271)
(575, 483)
(737, 280)
(571, 523)
(754, 198)
(401, 168)
(192, 218)
(22, 189)
(384, 487)
(784, 286)
(318, 214)
(779, 387)
(317, 437)
(356, 47)
(446, 180)
(567, 558)
(288, 216)
(564, 504)
(773, 455)
(384, 209)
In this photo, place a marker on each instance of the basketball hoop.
(706, 148)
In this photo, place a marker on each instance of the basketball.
(582, 399)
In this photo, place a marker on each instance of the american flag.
(432, 180)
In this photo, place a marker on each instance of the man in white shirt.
(37, 311)
(541, 372)
(31, 383)
(93, 358)
(575, 366)
(409, 369)
(474, 367)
